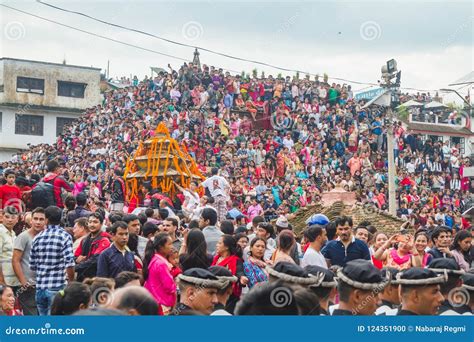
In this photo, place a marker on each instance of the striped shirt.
(51, 254)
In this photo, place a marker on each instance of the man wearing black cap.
(292, 274)
(325, 290)
(419, 291)
(389, 297)
(224, 293)
(295, 283)
(451, 268)
(468, 286)
(198, 288)
(359, 283)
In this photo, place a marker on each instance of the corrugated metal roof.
(443, 129)
(467, 79)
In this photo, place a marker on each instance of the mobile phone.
(402, 238)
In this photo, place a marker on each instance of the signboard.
(468, 171)
(369, 94)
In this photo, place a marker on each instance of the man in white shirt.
(218, 188)
(288, 142)
(204, 202)
(265, 231)
(316, 236)
(411, 166)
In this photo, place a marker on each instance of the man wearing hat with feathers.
(359, 283)
(449, 307)
(198, 288)
(420, 291)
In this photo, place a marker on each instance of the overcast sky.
(432, 41)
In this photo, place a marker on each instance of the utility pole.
(389, 71)
(392, 203)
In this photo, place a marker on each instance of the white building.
(442, 125)
(38, 98)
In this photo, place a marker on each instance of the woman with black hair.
(7, 302)
(76, 296)
(286, 241)
(254, 267)
(229, 255)
(156, 271)
(460, 249)
(193, 252)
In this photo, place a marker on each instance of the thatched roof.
(359, 212)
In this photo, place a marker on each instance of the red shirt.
(10, 195)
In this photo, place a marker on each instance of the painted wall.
(51, 73)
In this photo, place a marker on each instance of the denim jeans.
(44, 299)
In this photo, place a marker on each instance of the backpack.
(42, 195)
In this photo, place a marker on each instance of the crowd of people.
(72, 241)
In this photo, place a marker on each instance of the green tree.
(255, 73)
(402, 113)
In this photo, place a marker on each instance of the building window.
(61, 122)
(436, 138)
(71, 89)
(29, 85)
(458, 140)
(29, 124)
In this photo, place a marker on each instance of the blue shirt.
(339, 255)
(377, 127)
(228, 101)
(112, 262)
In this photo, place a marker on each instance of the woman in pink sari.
(196, 95)
(157, 270)
(402, 257)
(235, 126)
(79, 185)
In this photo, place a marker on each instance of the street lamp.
(390, 72)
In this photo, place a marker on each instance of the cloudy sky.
(432, 41)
